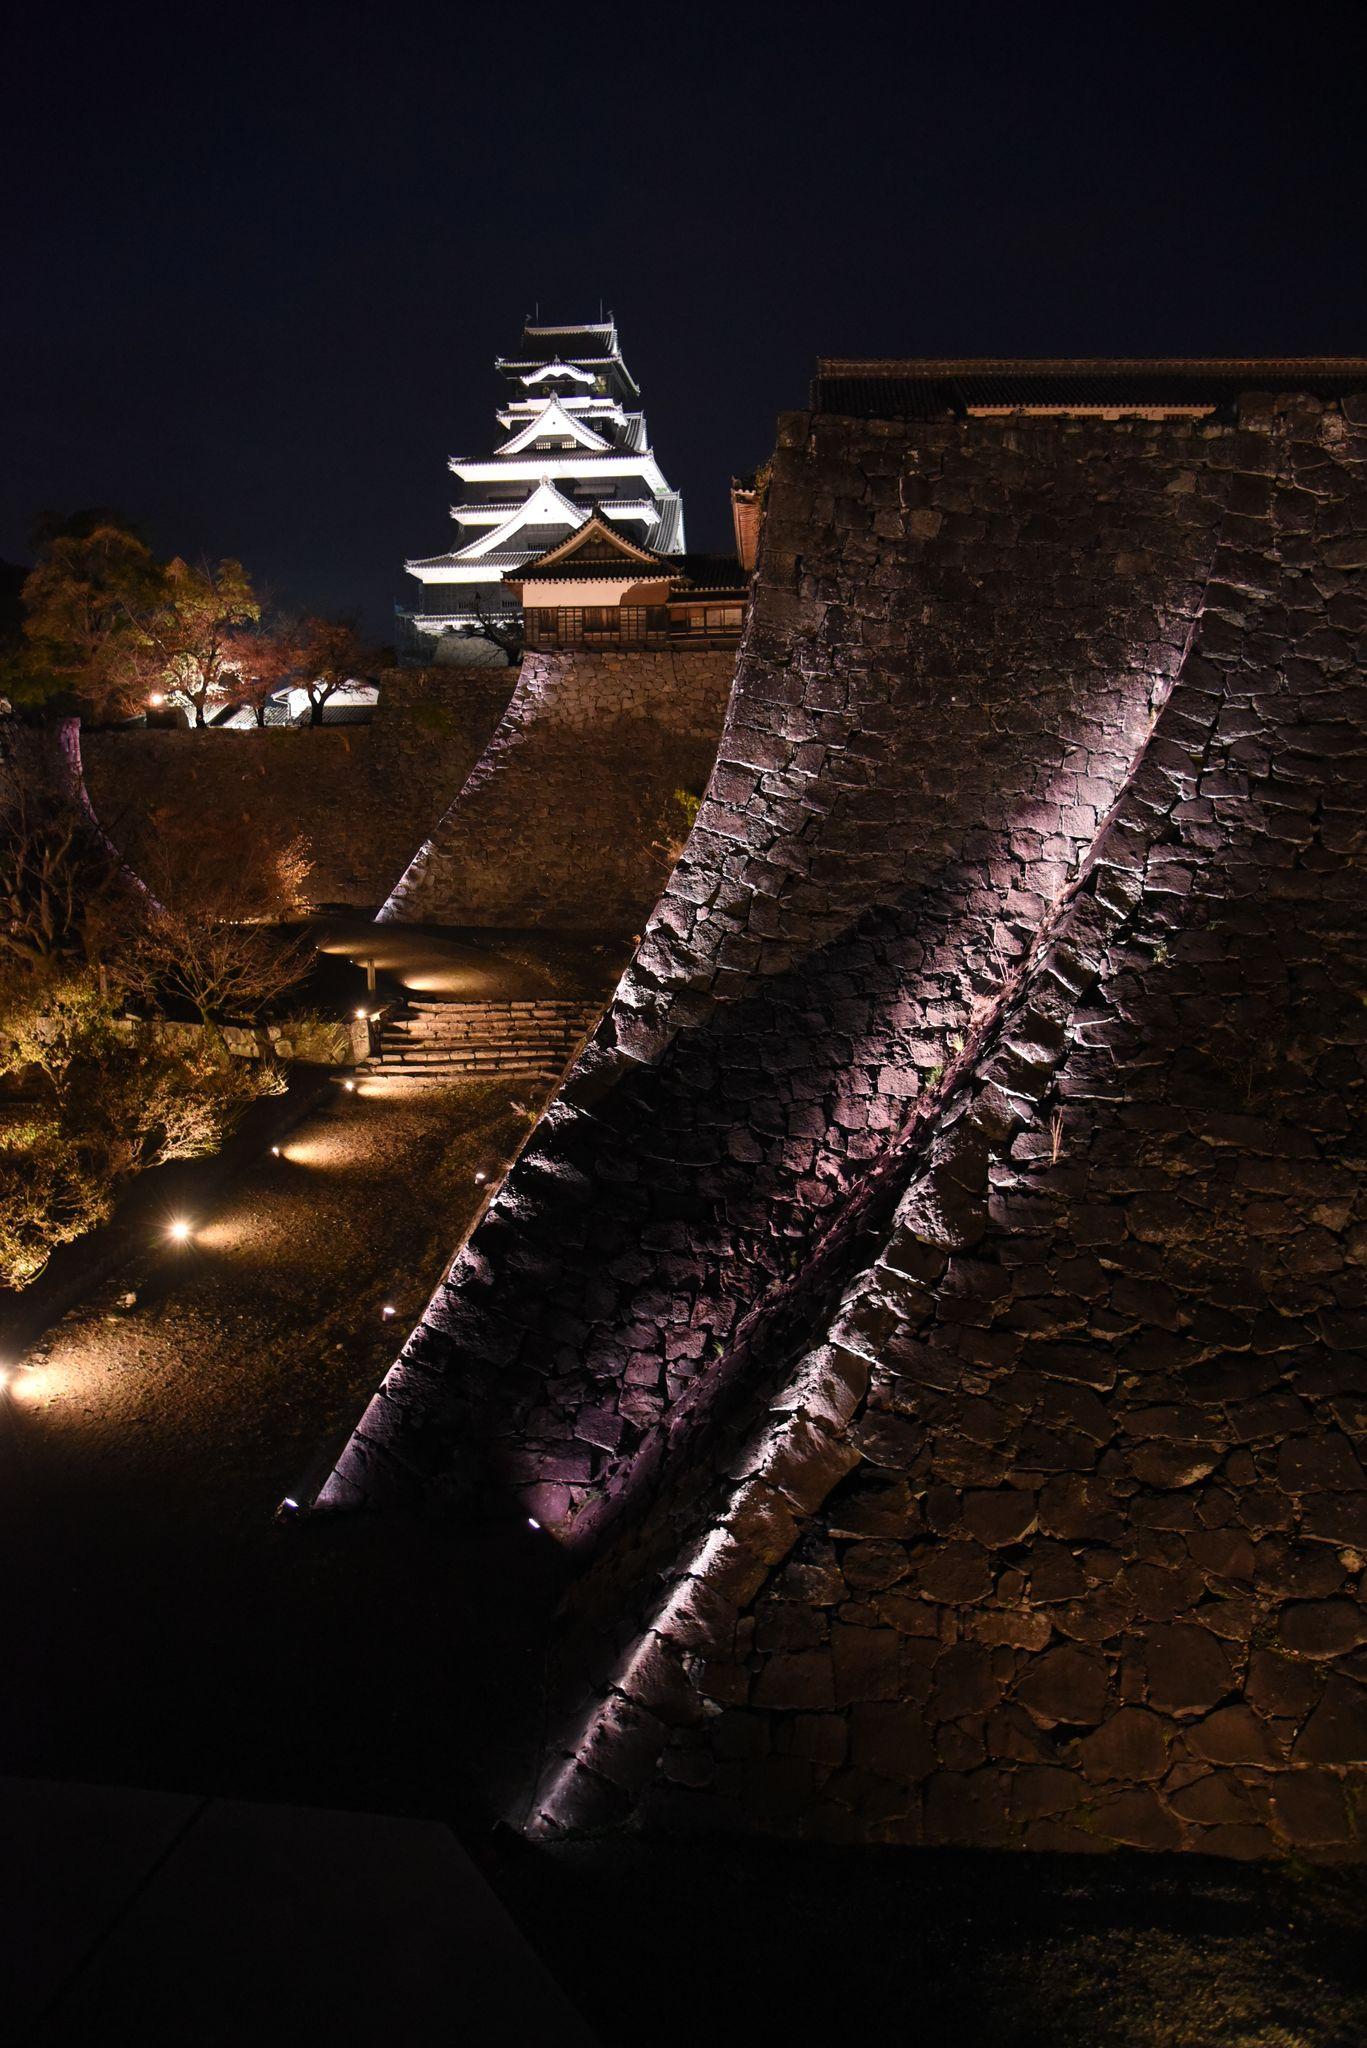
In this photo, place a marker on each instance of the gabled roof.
(553, 419)
(599, 549)
(545, 506)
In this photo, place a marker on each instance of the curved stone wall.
(568, 816)
(955, 646)
(977, 1118)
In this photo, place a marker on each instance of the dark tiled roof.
(711, 572)
(929, 388)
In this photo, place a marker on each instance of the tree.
(332, 654)
(106, 1099)
(212, 938)
(82, 643)
(506, 629)
(261, 661)
(186, 638)
(102, 1097)
(64, 894)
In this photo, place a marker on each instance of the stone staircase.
(433, 1042)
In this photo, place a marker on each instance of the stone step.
(466, 1062)
(420, 1009)
(452, 1043)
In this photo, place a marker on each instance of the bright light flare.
(179, 1231)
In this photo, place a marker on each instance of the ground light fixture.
(388, 1310)
(179, 1230)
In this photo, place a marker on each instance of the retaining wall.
(944, 1272)
(569, 816)
(364, 796)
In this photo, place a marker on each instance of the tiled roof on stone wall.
(930, 387)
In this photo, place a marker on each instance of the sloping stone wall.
(949, 1244)
(364, 796)
(568, 818)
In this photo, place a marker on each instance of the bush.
(47, 1198)
(111, 1107)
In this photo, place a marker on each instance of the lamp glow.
(179, 1230)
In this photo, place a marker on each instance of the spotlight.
(179, 1230)
(362, 1014)
(532, 1522)
(480, 1179)
(387, 1311)
(275, 1151)
(350, 1087)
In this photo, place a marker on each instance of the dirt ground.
(162, 1630)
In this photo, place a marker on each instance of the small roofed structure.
(599, 588)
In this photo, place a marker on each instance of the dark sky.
(259, 260)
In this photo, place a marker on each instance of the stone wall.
(364, 796)
(569, 817)
(944, 1273)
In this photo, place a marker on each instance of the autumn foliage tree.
(261, 661)
(187, 636)
(332, 654)
(89, 1097)
(82, 642)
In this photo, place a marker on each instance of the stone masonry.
(362, 795)
(936, 1298)
(569, 816)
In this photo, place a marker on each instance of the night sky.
(260, 260)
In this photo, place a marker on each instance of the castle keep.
(933, 1310)
(575, 442)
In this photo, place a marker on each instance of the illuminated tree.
(213, 937)
(82, 642)
(332, 654)
(186, 638)
(260, 662)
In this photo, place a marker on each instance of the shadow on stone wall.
(974, 1118)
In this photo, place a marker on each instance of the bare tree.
(213, 939)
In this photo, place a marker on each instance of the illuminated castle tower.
(573, 445)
